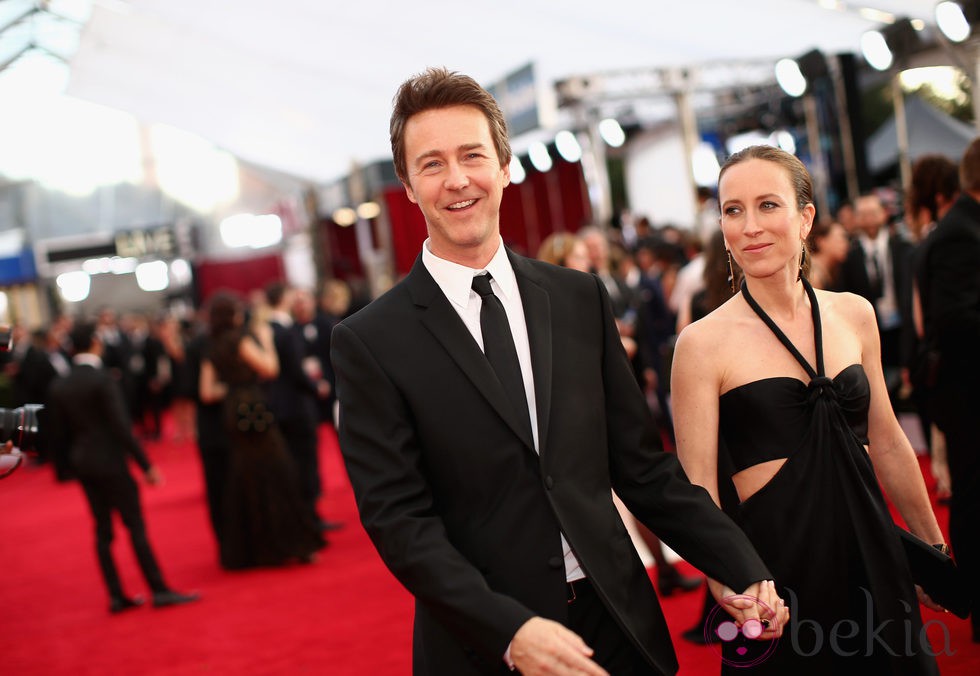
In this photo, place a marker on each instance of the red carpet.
(342, 615)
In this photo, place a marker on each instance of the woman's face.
(836, 243)
(578, 257)
(762, 225)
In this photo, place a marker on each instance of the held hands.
(759, 606)
(542, 646)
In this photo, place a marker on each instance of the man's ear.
(409, 193)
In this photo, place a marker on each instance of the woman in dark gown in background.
(779, 395)
(263, 519)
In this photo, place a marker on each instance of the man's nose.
(456, 177)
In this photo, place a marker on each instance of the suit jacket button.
(549, 483)
(556, 562)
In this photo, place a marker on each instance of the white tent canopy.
(305, 86)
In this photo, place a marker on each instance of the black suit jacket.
(292, 394)
(463, 510)
(90, 426)
(854, 271)
(948, 278)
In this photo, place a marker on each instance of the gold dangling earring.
(731, 270)
(799, 273)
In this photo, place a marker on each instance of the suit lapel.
(537, 315)
(444, 323)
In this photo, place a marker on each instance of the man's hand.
(927, 601)
(542, 646)
(758, 611)
(153, 476)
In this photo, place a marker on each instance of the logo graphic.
(739, 646)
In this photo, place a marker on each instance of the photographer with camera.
(92, 431)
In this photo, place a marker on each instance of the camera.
(20, 426)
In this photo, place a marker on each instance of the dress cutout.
(264, 521)
(821, 524)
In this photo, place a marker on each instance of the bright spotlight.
(74, 286)
(251, 230)
(790, 77)
(876, 51)
(705, 165)
(344, 217)
(568, 146)
(517, 173)
(181, 272)
(612, 133)
(152, 276)
(783, 139)
(368, 210)
(952, 21)
(540, 158)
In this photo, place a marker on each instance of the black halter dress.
(821, 524)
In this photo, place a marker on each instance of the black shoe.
(118, 604)
(673, 581)
(173, 598)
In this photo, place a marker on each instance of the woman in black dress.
(779, 394)
(263, 519)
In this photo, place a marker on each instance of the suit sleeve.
(385, 462)
(653, 485)
(117, 419)
(954, 295)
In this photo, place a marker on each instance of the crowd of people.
(500, 415)
(249, 381)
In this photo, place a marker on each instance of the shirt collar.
(88, 359)
(456, 280)
(281, 317)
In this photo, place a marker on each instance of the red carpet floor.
(342, 615)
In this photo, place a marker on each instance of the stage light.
(344, 217)
(883, 48)
(956, 19)
(540, 158)
(796, 76)
(152, 276)
(568, 146)
(790, 78)
(517, 173)
(612, 133)
(251, 230)
(74, 286)
(368, 210)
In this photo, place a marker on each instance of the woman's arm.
(260, 353)
(210, 389)
(694, 403)
(891, 453)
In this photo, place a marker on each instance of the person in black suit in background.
(91, 426)
(877, 268)
(948, 282)
(489, 500)
(293, 397)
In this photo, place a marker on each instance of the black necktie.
(498, 346)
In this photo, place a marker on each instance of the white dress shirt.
(456, 282)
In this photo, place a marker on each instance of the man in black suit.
(491, 501)
(948, 279)
(293, 397)
(90, 426)
(877, 268)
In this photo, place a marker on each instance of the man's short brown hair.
(440, 88)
